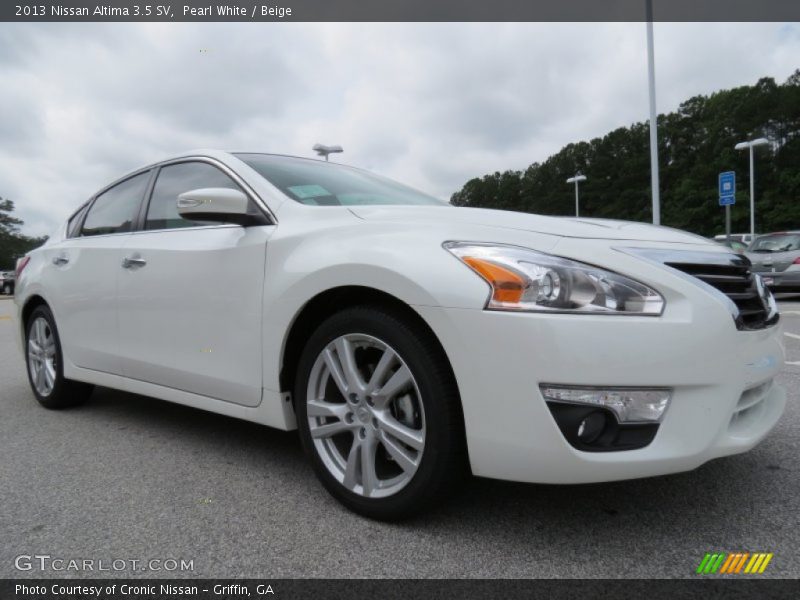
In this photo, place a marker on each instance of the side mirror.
(219, 205)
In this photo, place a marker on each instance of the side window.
(75, 222)
(174, 180)
(114, 210)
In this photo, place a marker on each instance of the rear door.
(190, 303)
(82, 271)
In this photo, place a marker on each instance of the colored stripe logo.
(734, 563)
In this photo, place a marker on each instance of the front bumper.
(694, 348)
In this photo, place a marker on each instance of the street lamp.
(651, 81)
(749, 146)
(323, 150)
(576, 180)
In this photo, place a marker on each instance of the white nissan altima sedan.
(408, 341)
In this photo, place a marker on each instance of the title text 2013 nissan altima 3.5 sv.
(408, 341)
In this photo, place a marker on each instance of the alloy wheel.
(365, 415)
(42, 356)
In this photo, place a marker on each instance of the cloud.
(429, 104)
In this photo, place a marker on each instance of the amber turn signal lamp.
(507, 286)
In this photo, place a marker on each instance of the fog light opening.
(592, 427)
(606, 419)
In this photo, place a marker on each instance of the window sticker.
(309, 191)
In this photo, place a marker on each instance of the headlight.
(526, 280)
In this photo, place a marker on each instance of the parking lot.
(128, 477)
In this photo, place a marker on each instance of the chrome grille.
(735, 279)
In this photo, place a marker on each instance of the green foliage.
(12, 243)
(695, 144)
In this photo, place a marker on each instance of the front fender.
(410, 266)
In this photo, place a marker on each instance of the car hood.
(604, 229)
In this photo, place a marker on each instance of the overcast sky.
(429, 104)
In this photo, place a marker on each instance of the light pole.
(651, 80)
(323, 150)
(576, 180)
(749, 145)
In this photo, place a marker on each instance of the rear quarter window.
(114, 210)
(74, 223)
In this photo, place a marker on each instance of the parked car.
(738, 247)
(745, 238)
(776, 256)
(7, 283)
(408, 340)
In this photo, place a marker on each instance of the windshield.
(328, 184)
(776, 243)
(733, 245)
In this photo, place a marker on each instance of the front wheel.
(379, 413)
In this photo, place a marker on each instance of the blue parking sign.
(727, 188)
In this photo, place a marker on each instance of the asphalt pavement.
(128, 478)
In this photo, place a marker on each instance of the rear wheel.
(45, 364)
(379, 414)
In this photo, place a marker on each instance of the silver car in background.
(776, 256)
(7, 281)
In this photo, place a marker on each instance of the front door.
(190, 297)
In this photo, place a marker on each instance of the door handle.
(60, 260)
(132, 262)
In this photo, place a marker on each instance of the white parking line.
(795, 363)
(791, 335)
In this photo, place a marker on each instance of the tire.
(7, 290)
(413, 431)
(44, 361)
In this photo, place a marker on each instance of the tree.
(13, 244)
(8, 225)
(695, 144)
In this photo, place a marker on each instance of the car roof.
(221, 155)
(311, 158)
